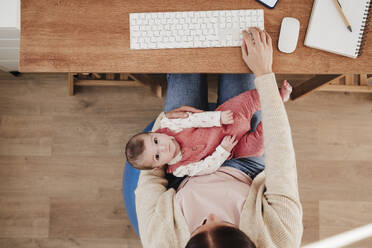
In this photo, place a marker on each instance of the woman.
(232, 204)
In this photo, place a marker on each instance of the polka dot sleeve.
(203, 119)
(206, 166)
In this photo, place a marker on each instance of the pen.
(339, 8)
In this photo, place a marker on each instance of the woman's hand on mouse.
(257, 51)
(228, 143)
(181, 112)
(227, 117)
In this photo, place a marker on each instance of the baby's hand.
(227, 117)
(229, 142)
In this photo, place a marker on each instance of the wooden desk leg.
(311, 84)
(352, 83)
(96, 75)
(110, 76)
(71, 83)
(154, 82)
(349, 79)
(124, 76)
(363, 79)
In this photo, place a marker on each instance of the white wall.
(10, 16)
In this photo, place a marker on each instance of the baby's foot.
(285, 91)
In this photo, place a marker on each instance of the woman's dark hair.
(221, 237)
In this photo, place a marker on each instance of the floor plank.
(59, 176)
(69, 243)
(24, 217)
(25, 135)
(311, 221)
(85, 217)
(341, 216)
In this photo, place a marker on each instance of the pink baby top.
(198, 143)
(200, 196)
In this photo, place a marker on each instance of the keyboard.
(192, 29)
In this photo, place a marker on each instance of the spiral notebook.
(327, 31)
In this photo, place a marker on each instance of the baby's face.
(160, 149)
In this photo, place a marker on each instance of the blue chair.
(130, 180)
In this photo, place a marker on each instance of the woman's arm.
(281, 192)
(154, 200)
(156, 214)
(151, 193)
(151, 186)
(280, 163)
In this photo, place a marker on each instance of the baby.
(200, 143)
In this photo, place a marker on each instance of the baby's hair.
(134, 149)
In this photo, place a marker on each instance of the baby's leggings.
(244, 106)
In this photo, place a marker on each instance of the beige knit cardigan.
(272, 213)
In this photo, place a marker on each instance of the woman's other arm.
(153, 198)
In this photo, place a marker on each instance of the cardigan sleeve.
(151, 191)
(280, 164)
(152, 199)
(280, 159)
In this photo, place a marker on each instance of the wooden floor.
(61, 161)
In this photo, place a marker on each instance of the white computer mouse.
(288, 36)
